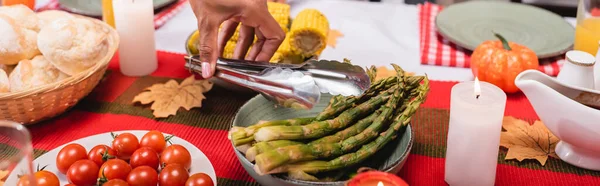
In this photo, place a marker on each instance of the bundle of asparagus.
(350, 130)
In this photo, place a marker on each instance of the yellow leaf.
(332, 37)
(526, 141)
(383, 72)
(167, 98)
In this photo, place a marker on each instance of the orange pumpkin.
(499, 62)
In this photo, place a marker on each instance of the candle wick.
(477, 96)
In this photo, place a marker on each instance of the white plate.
(200, 162)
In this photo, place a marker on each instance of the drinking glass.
(16, 154)
(587, 31)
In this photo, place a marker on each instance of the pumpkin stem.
(504, 42)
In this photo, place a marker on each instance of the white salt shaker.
(597, 68)
(578, 70)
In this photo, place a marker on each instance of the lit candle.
(376, 178)
(476, 113)
(134, 21)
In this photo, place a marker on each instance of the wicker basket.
(44, 102)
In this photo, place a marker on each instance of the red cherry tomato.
(41, 178)
(83, 173)
(143, 176)
(176, 154)
(46, 178)
(199, 179)
(125, 144)
(116, 182)
(155, 140)
(144, 156)
(100, 153)
(114, 169)
(69, 155)
(70, 184)
(173, 175)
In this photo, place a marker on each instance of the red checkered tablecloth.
(436, 50)
(109, 108)
(160, 18)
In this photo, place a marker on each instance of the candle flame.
(380, 183)
(477, 88)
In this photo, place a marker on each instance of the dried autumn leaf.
(526, 141)
(168, 97)
(332, 37)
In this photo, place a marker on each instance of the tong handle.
(280, 92)
(245, 64)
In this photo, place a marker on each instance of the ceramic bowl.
(574, 123)
(258, 108)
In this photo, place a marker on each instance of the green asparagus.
(241, 135)
(300, 170)
(350, 131)
(264, 146)
(322, 128)
(290, 154)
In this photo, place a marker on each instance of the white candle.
(134, 20)
(476, 113)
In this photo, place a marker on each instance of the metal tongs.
(331, 77)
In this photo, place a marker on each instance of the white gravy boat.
(575, 124)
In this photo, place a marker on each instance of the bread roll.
(24, 16)
(31, 73)
(4, 83)
(48, 16)
(16, 43)
(73, 45)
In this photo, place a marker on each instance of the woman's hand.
(255, 19)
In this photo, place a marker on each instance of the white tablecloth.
(374, 34)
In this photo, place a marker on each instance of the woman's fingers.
(272, 36)
(208, 51)
(225, 34)
(260, 40)
(244, 41)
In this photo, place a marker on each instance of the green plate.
(470, 23)
(390, 158)
(94, 7)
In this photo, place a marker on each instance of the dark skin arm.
(254, 18)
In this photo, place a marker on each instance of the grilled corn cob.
(309, 32)
(228, 50)
(284, 53)
(281, 13)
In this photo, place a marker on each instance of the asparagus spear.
(350, 131)
(322, 128)
(241, 135)
(412, 82)
(339, 103)
(290, 154)
(363, 153)
(264, 146)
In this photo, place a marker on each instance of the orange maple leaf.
(332, 37)
(170, 96)
(525, 141)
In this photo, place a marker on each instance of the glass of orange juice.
(28, 3)
(587, 31)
